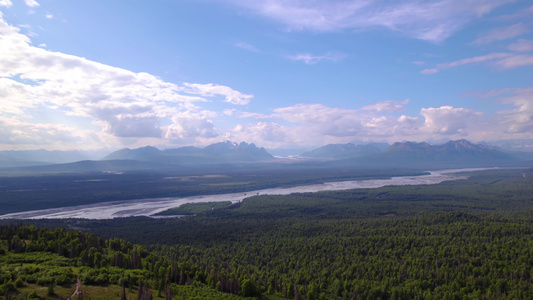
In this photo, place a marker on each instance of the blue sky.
(281, 74)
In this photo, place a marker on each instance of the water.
(147, 207)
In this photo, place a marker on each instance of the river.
(148, 207)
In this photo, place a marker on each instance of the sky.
(283, 74)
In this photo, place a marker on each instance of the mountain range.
(453, 154)
(344, 151)
(12, 158)
(223, 152)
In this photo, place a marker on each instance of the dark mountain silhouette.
(342, 151)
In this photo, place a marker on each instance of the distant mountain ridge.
(13, 158)
(222, 152)
(342, 151)
(449, 150)
(453, 154)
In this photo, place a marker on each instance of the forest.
(464, 239)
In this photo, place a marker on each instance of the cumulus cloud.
(345, 123)
(520, 119)
(269, 134)
(313, 59)
(318, 124)
(134, 126)
(187, 127)
(125, 104)
(501, 34)
(5, 3)
(320, 119)
(427, 20)
(315, 124)
(14, 131)
(15, 97)
(448, 120)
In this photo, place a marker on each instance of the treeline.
(457, 240)
(99, 262)
(436, 256)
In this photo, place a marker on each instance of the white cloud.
(342, 123)
(126, 105)
(6, 3)
(515, 61)
(188, 127)
(428, 20)
(313, 59)
(209, 90)
(501, 34)
(31, 3)
(15, 132)
(323, 120)
(49, 16)
(387, 105)
(520, 119)
(406, 125)
(448, 120)
(522, 45)
(247, 114)
(229, 112)
(266, 134)
(308, 125)
(15, 97)
(317, 124)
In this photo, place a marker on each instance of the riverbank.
(148, 207)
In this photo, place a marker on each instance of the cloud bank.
(123, 104)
